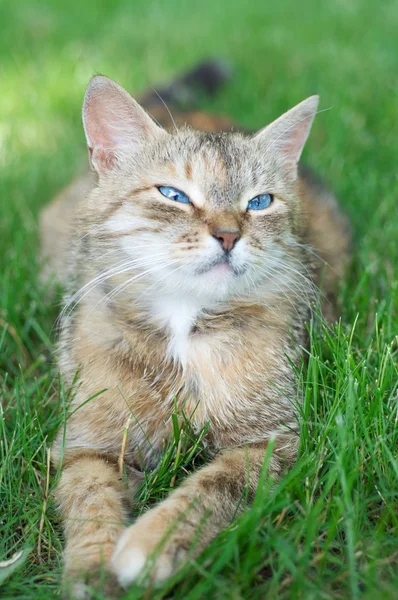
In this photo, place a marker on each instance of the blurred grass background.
(331, 530)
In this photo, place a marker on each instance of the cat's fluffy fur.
(156, 318)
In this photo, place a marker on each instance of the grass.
(329, 529)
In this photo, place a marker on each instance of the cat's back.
(327, 235)
(57, 226)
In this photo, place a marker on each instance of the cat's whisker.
(149, 245)
(310, 250)
(291, 289)
(120, 250)
(80, 294)
(167, 108)
(308, 283)
(113, 272)
(90, 231)
(307, 279)
(273, 275)
(268, 275)
(306, 268)
(115, 292)
(120, 287)
(157, 282)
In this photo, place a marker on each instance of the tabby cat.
(191, 261)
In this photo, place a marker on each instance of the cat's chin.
(217, 284)
(217, 279)
(222, 268)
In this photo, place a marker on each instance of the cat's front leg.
(183, 524)
(90, 495)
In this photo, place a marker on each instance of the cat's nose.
(227, 239)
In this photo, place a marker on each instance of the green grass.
(329, 529)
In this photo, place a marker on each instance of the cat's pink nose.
(228, 239)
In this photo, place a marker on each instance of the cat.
(191, 261)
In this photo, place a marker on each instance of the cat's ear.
(288, 134)
(114, 123)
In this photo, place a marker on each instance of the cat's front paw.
(152, 546)
(86, 586)
(86, 572)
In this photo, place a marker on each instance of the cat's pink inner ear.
(288, 134)
(114, 123)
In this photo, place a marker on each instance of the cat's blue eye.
(260, 202)
(173, 194)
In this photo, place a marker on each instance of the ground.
(329, 530)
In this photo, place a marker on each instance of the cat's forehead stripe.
(219, 156)
(188, 170)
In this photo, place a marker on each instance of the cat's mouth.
(220, 265)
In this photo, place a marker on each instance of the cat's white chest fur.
(177, 315)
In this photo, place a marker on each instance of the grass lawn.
(329, 529)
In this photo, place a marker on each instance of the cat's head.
(200, 214)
